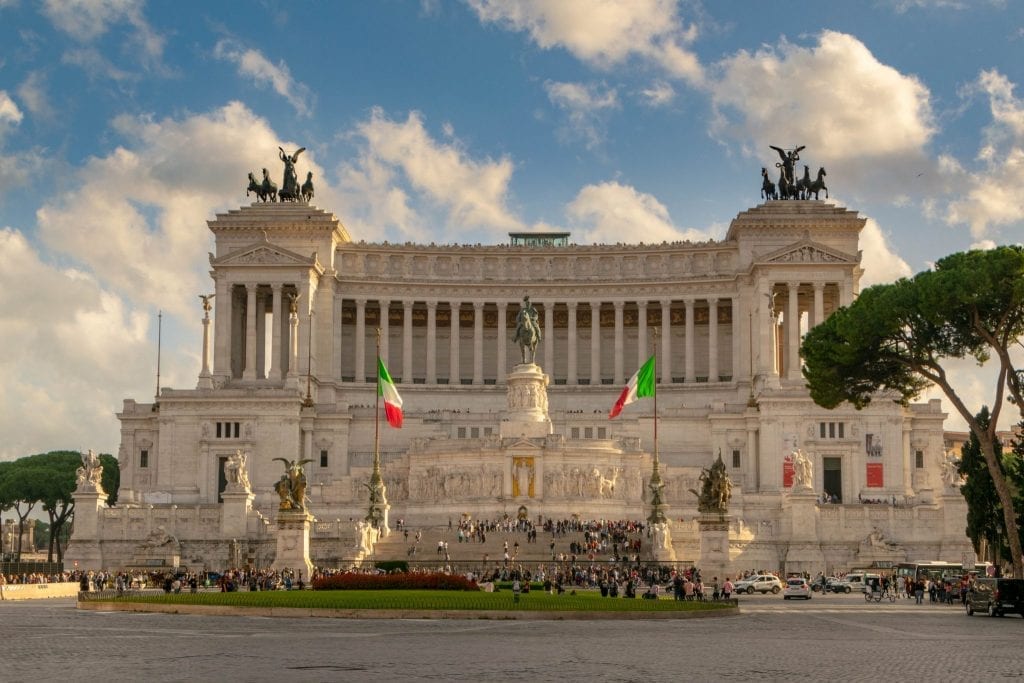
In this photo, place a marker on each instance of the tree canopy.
(50, 479)
(894, 339)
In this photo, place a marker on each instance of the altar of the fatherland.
(289, 371)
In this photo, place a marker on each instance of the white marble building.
(726, 317)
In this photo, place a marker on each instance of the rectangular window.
(919, 459)
(602, 433)
(323, 458)
(736, 459)
(821, 429)
(219, 424)
(475, 432)
(575, 432)
(144, 458)
(841, 431)
(462, 432)
(831, 430)
(487, 431)
(238, 431)
(588, 432)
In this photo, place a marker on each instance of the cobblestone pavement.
(829, 638)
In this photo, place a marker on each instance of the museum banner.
(875, 478)
(787, 472)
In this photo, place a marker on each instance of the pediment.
(263, 254)
(522, 443)
(806, 251)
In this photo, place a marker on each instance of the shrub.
(437, 581)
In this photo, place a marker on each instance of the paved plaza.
(830, 638)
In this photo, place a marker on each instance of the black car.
(996, 597)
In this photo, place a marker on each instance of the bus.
(938, 571)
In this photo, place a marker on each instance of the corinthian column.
(361, 340)
(793, 332)
(502, 370)
(453, 349)
(595, 342)
(250, 332)
(478, 342)
(407, 342)
(713, 340)
(431, 342)
(620, 343)
(689, 345)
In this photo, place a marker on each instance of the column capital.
(407, 305)
(478, 305)
(818, 285)
(619, 305)
(361, 302)
(642, 304)
(276, 287)
(384, 303)
(431, 305)
(712, 301)
(595, 305)
(689, 302)
(250, 286)
(502, 305)
(665, 303)
(571, 305)
(793, 285)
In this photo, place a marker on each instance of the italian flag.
(640, 385)
(386, 390)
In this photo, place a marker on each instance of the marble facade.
(297, 305)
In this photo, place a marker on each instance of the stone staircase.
(397, 547)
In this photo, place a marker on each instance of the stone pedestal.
(83, 551)
(663, 550)
(955, 545)
(234, 513)
(714, 547)
(804, 552)
(527, 414)
(293, 542)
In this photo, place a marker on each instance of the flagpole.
(377, 513)
(656, 486)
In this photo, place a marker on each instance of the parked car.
(996, 597)
(797, 588)
(760, 583)
(834, 585)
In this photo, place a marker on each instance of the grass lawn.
(583, 601)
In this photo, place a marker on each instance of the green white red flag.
(640, 385)
(386, 390)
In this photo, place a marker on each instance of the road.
(829, 638)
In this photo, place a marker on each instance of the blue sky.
(125, 125)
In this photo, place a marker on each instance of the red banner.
(787, 471)
(876, 478)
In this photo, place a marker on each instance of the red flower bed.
(437, 582)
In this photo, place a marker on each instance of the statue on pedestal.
(90, 474)
(528, 333)
(292, 485)
(716, 488)
(803, 473)
(236, 471)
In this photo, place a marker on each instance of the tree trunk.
(988, 449)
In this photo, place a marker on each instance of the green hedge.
(435, 581)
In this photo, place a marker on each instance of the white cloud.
(602, 32)
(903, 6)
(10, 115)
(253, 64)
(95, 65)
(87, 20)
(73, 350)
(610, 213)
(880, 263)
(137, 219)
(471, 193)
(850, 111)
(658, 94)
(991, 196)
(583, 104)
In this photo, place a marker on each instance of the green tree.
(985, 526)
(50, 479)
(893, 340)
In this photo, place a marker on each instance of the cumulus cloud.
(95, 65)
(603, 33)
(254, 65)
(153, 195)
(400, 161)
(880, 262)
(583, 105)
(991, 197)
(604, 213)
(836, 98)
(87, 20)
(66, 371)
